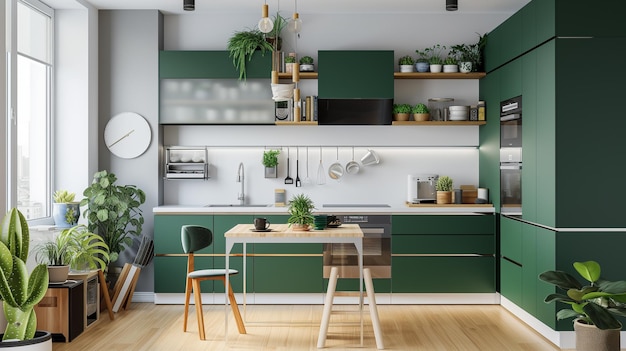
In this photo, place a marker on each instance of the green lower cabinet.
(236, 280)
(447, 274)
(167, 232)
(171, 274)
(511, 281)
(295, 274)
(223, 223)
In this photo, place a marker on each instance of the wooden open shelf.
(402, 75)
(439, 123)
(292, 123)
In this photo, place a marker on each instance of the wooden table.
(283, 233)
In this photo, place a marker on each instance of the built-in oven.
(511, 156)
(376, 248)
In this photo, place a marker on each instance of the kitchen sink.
(237, 205)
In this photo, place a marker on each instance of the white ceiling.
(304, 6)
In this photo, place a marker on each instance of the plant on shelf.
(113, 211)
(421, 63)
(270, 161)
(420, 112)
(65, 211)
(401, 112)
(470, 56)
(289, 61)
(450, 61)
(19, 291)
(306, 64)
(444, 190)
(435, 54)
(593, 303)
(243, 44)
(301, 212)
(406, 63)
(273, 36)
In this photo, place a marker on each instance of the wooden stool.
(328, 306)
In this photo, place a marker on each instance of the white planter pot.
(465, 67)
(435, 68)
(41, 342)
(406, 68)
(450, 68)
(307, 68)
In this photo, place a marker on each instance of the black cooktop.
(355, 205)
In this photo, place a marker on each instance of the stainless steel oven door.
(511, 188)
(376, 255)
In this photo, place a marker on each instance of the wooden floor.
(146, 326)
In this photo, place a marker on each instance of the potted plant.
(301, 212)
(444, 190)
(421, 63)
(450, 65)
(435, 59)
(270, 161)
(289, 61)
(113, 212)
(19, 291)
(420, 112)
(273, 37)
(594, 305)
(65, 211)
(74, 248)
(243, 44)
(406, 63)
(306, 64)
(401, 112)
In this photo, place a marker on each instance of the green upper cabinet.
(355, 74)
(210, 64)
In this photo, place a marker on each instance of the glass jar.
(439, 108)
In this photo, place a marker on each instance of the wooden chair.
(194, 238)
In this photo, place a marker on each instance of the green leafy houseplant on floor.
(113, 212)
(301, 211)
(76, 247)
(243, 44)
(19, 291)
(596, 303)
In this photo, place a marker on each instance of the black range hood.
(354, 111)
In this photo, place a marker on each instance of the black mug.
(261, 224)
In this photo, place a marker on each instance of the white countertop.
(393, 209)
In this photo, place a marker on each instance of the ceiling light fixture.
(452, 5)
(265, 23)
(189, 5)
(295, 24)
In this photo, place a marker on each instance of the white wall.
(401, 148)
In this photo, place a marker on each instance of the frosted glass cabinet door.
(216, 101)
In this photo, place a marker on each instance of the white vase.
(465, 67)
(435, 68)
(450, 68)
(406, 68)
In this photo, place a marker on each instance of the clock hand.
(120, 139)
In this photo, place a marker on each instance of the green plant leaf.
(600, 317)
(561, 279)
(589, 270)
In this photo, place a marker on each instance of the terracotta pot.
(300, 227)
(590, 338)
(444, 197)
(401, 116)
(421, 117)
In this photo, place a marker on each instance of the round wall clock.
(127, 135)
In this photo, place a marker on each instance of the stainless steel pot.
(335, 171)
(353, 167)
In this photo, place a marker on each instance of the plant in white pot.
(306, 64)
(65, 211)
(435, 57)
(270, 161)
(301, 212)
(20, 291)
(406, 63)
(594, 305)
(444, 190)
(450, 65)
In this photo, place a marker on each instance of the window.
(33, 113)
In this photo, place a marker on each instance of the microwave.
(511, 123)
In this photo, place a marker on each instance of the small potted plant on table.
(406, 63)
(270, 161)
(301, 213)
(420, 112)
(306, 64)
(444, 190)
(401, 112)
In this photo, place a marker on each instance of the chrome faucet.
(241, 197)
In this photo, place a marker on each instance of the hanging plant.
(242, 45)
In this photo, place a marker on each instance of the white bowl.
(458, 108)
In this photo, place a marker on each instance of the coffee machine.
(422, 188)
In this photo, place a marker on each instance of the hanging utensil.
(353, 167)
(307, 180)
(321, 177)
(335, 171)
(298, 182)
(288, 180)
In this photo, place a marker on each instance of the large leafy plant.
(113, 212)
(301, 210)
(242, 45)
(76, 247)
(19, 291)
(596, 303)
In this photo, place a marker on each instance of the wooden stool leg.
(235, 308)
(328, 306)
(187, 297)
(369, 288)
(198, 301)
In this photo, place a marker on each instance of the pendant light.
(452, 5)
(265, 23)
(189, 5)
(295, 24)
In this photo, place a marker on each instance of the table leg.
(245, 279)
(229, 246)
(359, 248)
